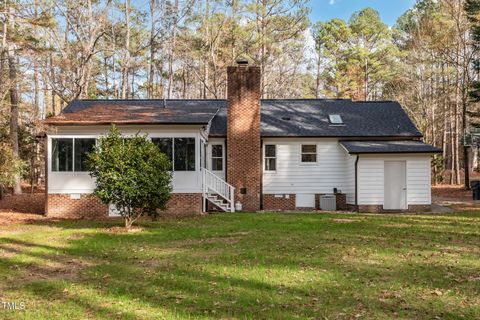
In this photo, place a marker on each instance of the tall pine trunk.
(14, 101)
(126, 59)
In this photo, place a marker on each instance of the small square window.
(309, 153)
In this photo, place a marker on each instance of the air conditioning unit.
(328, 202)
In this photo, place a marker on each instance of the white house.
(262, 154)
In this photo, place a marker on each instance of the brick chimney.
(243, 134)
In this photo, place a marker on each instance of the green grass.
(246, 266)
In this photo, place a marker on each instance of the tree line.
(55, 51)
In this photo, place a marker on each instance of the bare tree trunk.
(445, 124)
(114, 69)
(317, 84)
(126, 62)
(52, 77)
(14, 100)
(172, 50)
(184, 80)
(105, 75)
(452, 146)
(457, 128)
(263, 26)
(151, 64)
(36, 81)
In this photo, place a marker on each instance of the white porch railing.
(212, 184)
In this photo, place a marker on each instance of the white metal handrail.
(213, 183)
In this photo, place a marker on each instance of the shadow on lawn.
(178, 272)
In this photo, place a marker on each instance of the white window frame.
(221, 157)
(265, 157)
(173, 151)
(302, 153)
(73, 137)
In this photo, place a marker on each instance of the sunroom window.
(166, 146)
(180, 151)
(184, 154)
(70, 154)
(81, 148)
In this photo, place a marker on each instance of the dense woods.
(55, 51)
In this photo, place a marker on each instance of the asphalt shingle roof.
(97, 112)
(279, 118)
(408, 146)
(301, 118)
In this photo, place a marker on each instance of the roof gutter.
(394, 152)
(107, 123)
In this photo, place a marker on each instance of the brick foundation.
(62, 206)
(379, 209)
(184, 204)
(341, 199)
(88, 206)
(273, 203)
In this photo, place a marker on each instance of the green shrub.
(131, 173)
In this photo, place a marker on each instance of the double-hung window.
(270, 157)
(70, 154)
(217, 157)
(180, 152)
(309, 153)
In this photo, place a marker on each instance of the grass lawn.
(246, 266)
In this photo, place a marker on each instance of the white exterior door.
(395, 185)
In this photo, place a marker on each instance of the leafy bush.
(131, 173)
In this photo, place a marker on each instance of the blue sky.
(390, 10)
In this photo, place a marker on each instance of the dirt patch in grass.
(452, 193)
(123, 230)
(12, 217)
(53, 270)
(344, 220)
(455, 197)
(26, 203)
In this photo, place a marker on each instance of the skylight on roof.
(335, 119)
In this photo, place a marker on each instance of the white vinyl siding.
(332, 169)
(81, 182)
(371, 178)
(350, 172)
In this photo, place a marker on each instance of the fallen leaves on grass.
(123, 230)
